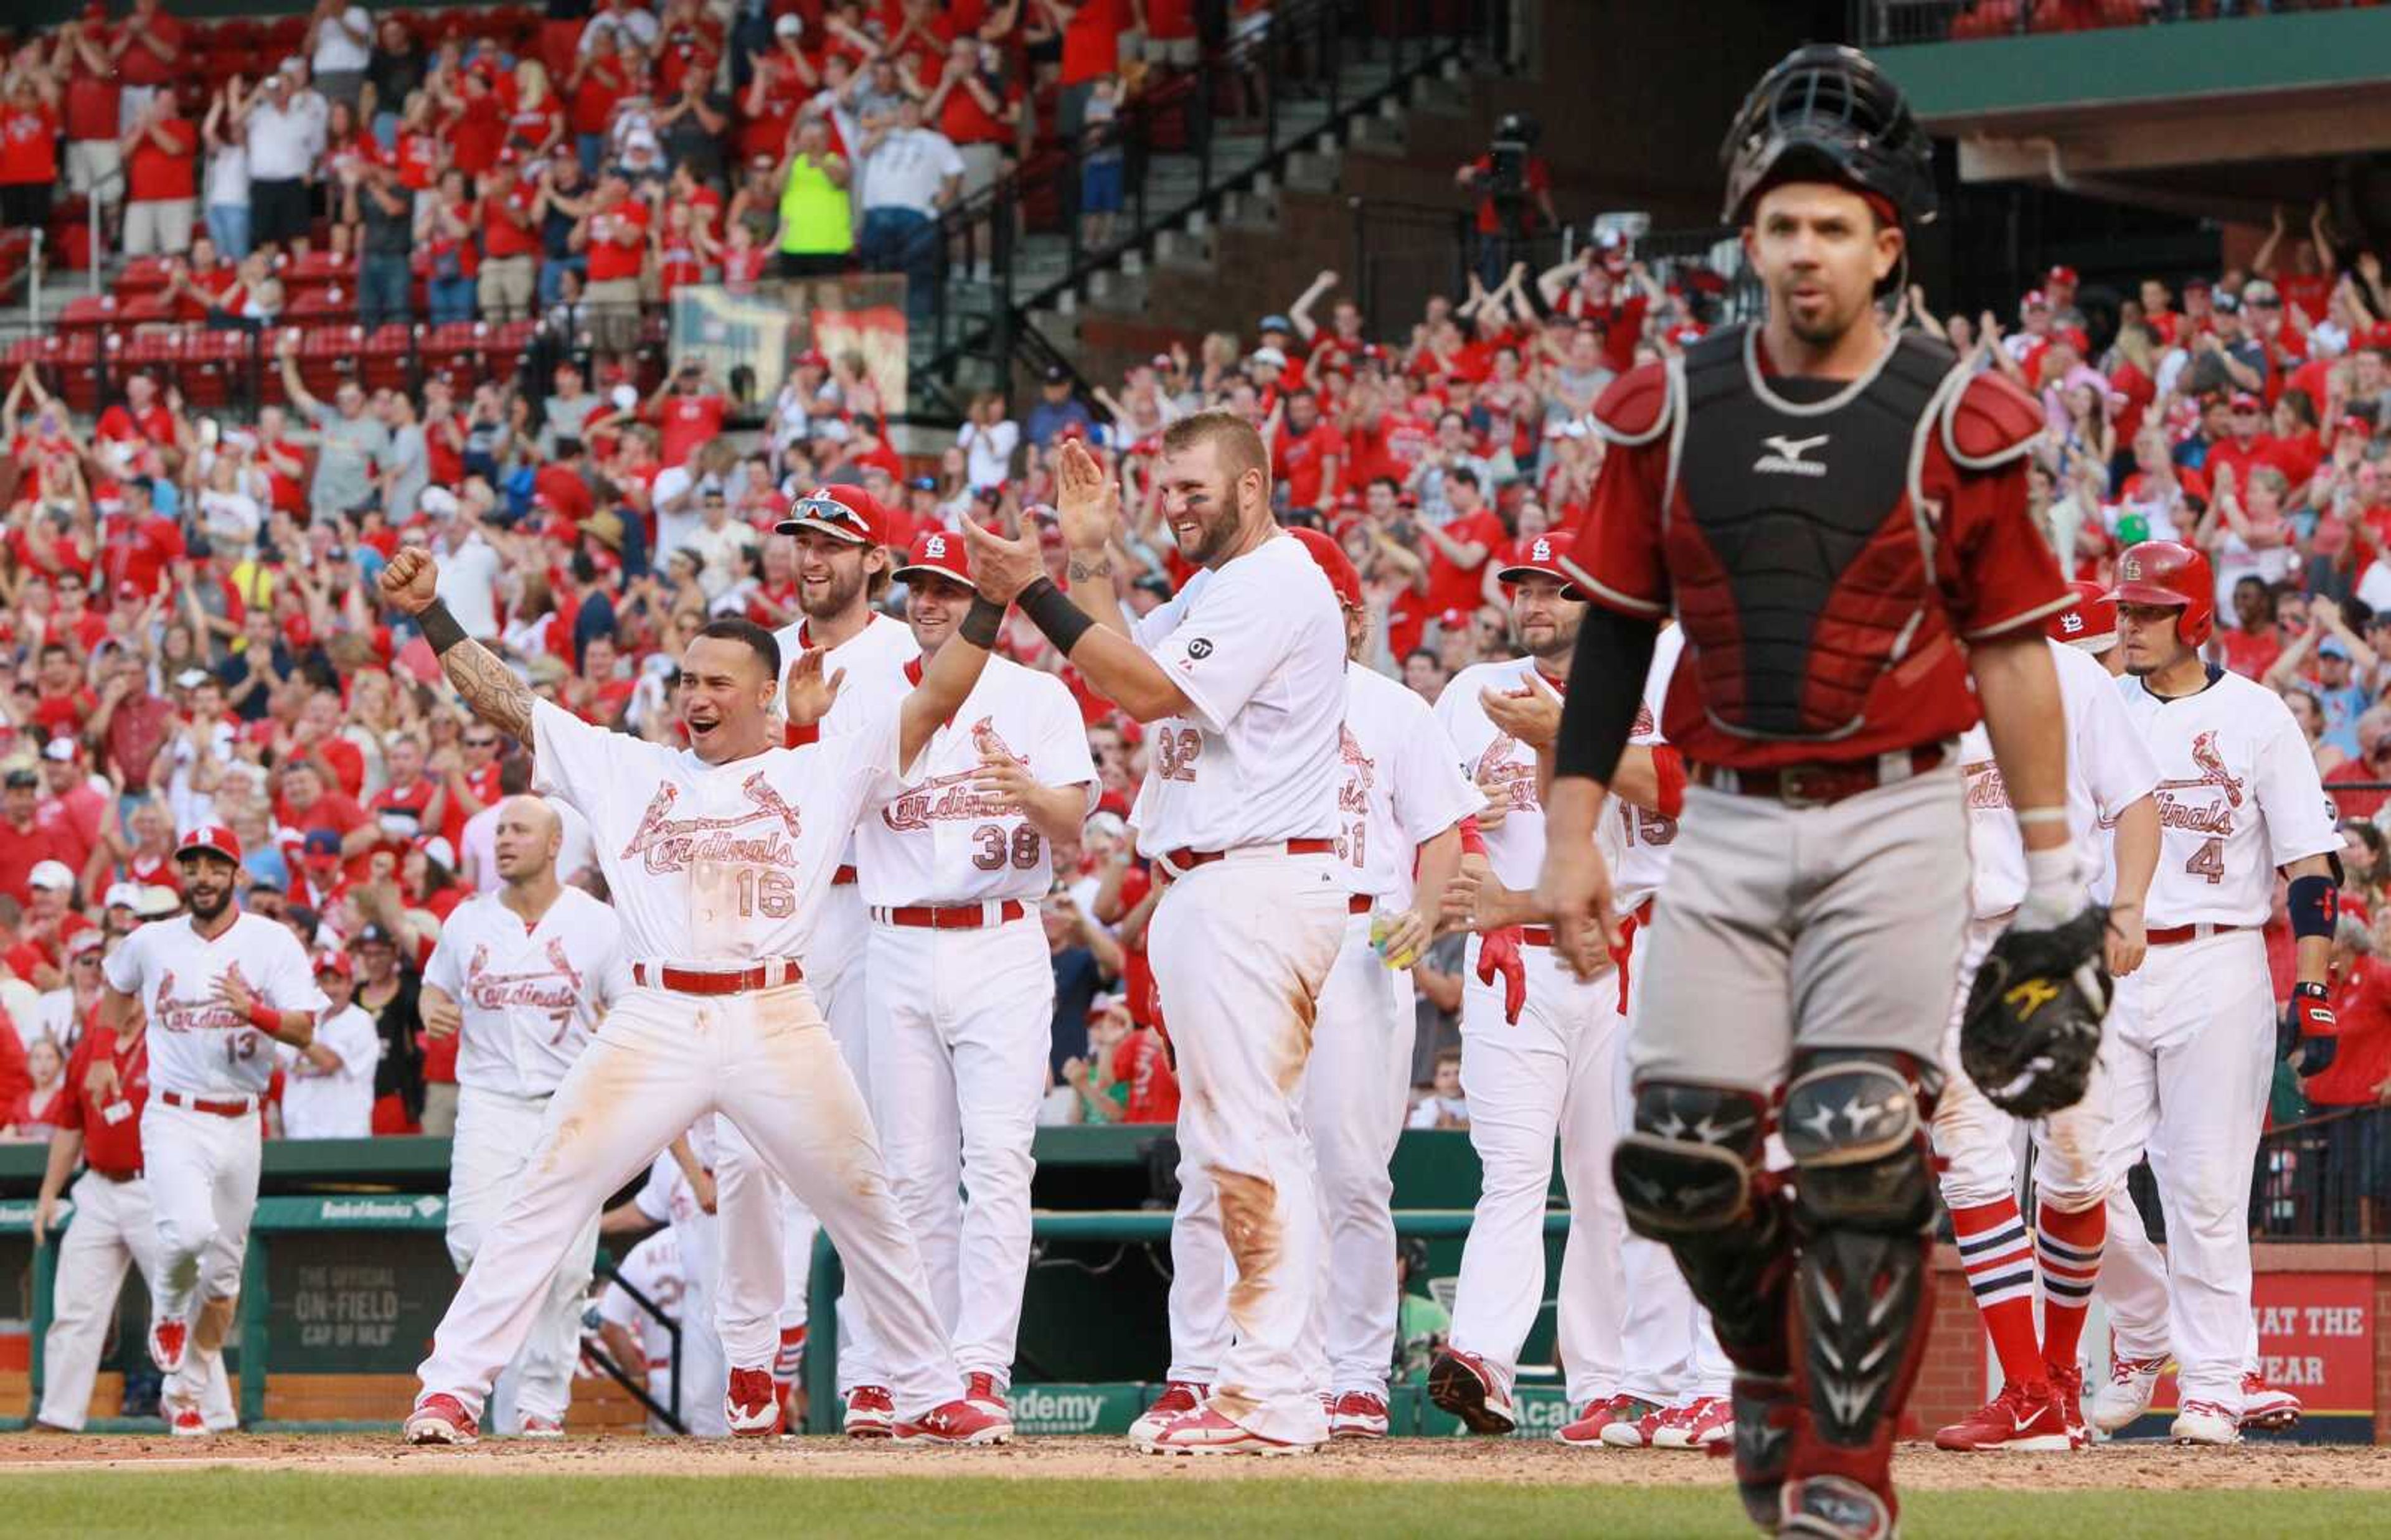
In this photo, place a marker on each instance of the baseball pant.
(764, 1060)
(959, 1022)
(1977, 1142)
(2194, 1040)
(495, 1134)
(1553, 1073)
(753, 1301)
(1668, 1353)
(1805, 928)
(112, 1229)
(1241, 948)
(202, 1179)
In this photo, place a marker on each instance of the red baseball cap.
(939, 553)
(1335, 564)
(2061, 273)
(2358, 425)
(1542, 557)
(213, 838)
(2091, 622)
(336, 962)
(2034, 300)
(2245, 401)
(840, 509)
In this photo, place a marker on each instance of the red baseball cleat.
(1358, 1414)
(870, 1412)
(982, 1390)
(167, 1339)
(2067, 1383)
(441, 1419)
(184, 1420)
(957, 1422)
(1701, 1423)
(1206, 1432)
(2266, 1409)
(1463, 1385)
(1178, 1398)
(752, 1405)
(2025, 1417)
(542, 1427)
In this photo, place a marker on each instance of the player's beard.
(1212, 537)
(836, 597)
(208, 909)
(1556, 637)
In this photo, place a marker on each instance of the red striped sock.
(1998, 1257)
(791, 1360)
(2068, 1245)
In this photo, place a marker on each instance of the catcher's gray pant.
(1786, 928)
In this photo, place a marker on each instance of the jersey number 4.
(2208, 860)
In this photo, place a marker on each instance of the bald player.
(522, 977)
(1240, 679)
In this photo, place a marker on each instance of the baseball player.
(2110, 781)
(1530, 1070)
(211, 992)
(842, 566)
(958, 983)
(1240, 679)
(522, 977)
(2191, 1041)
(642, 1343)
(717, 856)
(1400, 802)
(327, 1085)
(1831, 511)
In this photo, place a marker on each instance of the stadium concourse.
(191, 640)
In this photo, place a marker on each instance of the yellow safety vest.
(814, 216)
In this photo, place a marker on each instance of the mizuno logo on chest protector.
(1785, 456)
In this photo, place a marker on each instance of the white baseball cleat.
(870, 1412)
(2267, 1408)
(1178, 1398)
(1206, 1432)
(2126, 1395)
(2206, 1422)
(1701, 1423)
(542, 1427)
(441, 1419)
(1358, 1414)
(185, 1420)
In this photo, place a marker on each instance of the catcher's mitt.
(2032, 1024)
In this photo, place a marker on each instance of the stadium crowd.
(186, 591)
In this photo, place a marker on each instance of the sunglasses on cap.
(828, 510)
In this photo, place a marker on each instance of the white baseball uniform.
(1555, 1072)
(1240, 809)
(654, 1268)
(715, 869)
(529, 997)
(960, 997)
(762, 1297)
(209, 1070)
(666, 1198)
(1668, 1355)
(2190, 1043)
(332, 1104)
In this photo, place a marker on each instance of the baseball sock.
(790, 1362)
(2068, 1245)
(1998, 1257)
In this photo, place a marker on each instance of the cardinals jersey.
(944, 841)
(1501, 766)
(1640, 836)
(716, 865)
(2108, 769)
(2237, 795)
(1400, 787)
(1258, 648)
(530, 996)
(332, 1104)
(654, 1268)
(874, 661)
(198, 1046)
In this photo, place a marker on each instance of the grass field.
(265, 1503)
(628, 1489)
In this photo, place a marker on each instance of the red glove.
(1498, 951)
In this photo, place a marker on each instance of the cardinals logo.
(1501, 772)
(2214, 776)
(202, 1013)
(2212, 771)
(1361, 774)
(668, 844)
(555, 987)
(952, 796)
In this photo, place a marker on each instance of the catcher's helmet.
(2168, 572)
(1827, 113)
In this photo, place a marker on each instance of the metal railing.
(637, 1385)
(1879, 23)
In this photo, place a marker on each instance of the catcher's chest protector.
(1802, 568)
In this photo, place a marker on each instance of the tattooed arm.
(491, 688)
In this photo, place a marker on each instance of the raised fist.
(408, 581)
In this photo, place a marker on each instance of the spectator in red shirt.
(969, 106)
(161, 150)
(25, 841)
(687, 412)
(84, 57)
(2373, 763)
(2251, 644)
(73, 808)
(1308, 457)
(29, 155)
(614, 234)
(133, 724)
(510, 244)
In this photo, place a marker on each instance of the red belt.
(2176, 935)
(220, 1109)
(768, 974)
(1188, 860)
(1536, 935)
(1360, 904)
(843, 877)
(960, 916)
(132, 1175)
(1816, 785)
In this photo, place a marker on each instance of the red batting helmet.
(2090, 622)
(1338, 567)
(2169, 572)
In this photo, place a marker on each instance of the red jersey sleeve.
(1616, 554)
(1996, 568)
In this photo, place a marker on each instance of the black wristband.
(981, 623)
(440, 628)
(1052, 611)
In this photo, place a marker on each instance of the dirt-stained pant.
(1241, 948)
(764, 1061)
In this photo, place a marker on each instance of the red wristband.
(1669, 770)
(265, 1018)
(1473, 839)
